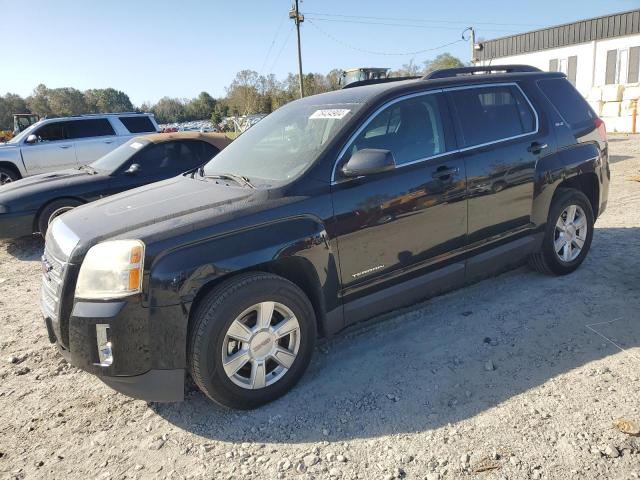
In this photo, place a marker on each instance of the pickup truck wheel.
(53, 210)
(251, 340)
(568, 234)
(8, 176)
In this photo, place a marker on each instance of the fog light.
(103, 337)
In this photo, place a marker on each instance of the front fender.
(178, 275)
(12, 156)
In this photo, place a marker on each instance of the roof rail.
(373, 81)
(110, 113)
(455, 72)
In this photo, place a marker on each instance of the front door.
(52, 151)
(398, 224)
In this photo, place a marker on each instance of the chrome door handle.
(65, 146)
(108, 141)
(536, 147)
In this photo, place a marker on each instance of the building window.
(622, 66)
(568, 66)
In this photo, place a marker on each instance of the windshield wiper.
(88, 168)
(230, 176)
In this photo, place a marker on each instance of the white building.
(601, 57)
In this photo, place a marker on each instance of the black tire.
(54, 209)
(211, 320)
(8, 175)
(546, 260)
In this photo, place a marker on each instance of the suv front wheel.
(567, 236)
(251, 340)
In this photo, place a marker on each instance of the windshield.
(284, 144)
(115, 158)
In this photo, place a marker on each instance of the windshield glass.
(284, 144)
(115, 158)
(25, 133)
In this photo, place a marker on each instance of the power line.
(275, 37)
(404, 25)
(286, 40)
(458, 22)
(372, 52)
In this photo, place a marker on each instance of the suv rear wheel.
(251, 340)
(568, 234)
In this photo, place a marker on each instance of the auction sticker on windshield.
(136, 145)
(338, 113)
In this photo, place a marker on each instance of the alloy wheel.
(261, 345)
(570, 233)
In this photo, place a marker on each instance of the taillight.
(602, 129)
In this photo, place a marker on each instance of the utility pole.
(297, 17)
(472, 39)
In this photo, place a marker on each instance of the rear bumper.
(16, 225)
(149, 354)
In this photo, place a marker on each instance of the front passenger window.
(411, 129)
(52, 132)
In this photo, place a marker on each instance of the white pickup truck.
(59, 143)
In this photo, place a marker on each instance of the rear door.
(93, 138)
(53, 150)
(502, 138)
(400, 224)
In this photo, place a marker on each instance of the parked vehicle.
(30, 205)
(332, 209)
(57, 143)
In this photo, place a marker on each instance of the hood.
(159, 210)
(7, 146)
(32, 192)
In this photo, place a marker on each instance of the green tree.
(107, 100)
(169, 110)
(201, 107)
(10, 104)
(444, 60)
(243, 95)
(38, 101)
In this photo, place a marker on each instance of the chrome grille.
(53, 271)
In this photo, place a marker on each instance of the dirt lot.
(520, 376)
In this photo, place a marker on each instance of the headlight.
(111, 270)
(4, 209)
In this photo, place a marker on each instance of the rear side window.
(94, 127)
(569, 103)
(138, 124)
(490, 114)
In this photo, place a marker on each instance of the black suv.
(333, 209)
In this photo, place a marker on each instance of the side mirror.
(369, 161)
(32, 139)
(134, 169)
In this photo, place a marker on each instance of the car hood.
(6, 146)
(46, 185)
(159, 210)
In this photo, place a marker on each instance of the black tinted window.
(52, 132)
(94, 127)
(170, 158)
(488, 114)
(138, 124)
(569, 103)
(411, 129)
(208, 151)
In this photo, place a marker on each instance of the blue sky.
(151, 49)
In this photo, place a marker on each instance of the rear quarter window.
(94, 127)
(138, 124)
(574, 109)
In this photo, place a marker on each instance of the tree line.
(249, 93)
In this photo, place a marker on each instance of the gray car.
(54, 144)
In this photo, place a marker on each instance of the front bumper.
(148, 344)
(16, 224)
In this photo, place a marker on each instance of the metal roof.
(598, 28)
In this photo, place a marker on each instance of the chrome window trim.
(450, 152)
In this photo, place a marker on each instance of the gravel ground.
(519, 376)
